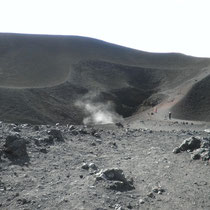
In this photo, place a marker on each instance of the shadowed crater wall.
(196, 104)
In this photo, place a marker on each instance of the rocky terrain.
(85, 125)
(103, 167)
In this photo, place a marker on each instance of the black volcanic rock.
(56, 134)
(15, 146)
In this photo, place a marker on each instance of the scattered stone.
(97, 135)
(129, 206)
(71, 127)
(16, 129)
(119, 125)
(99, 141)
(23, 201)
(48, 140)
(93, 166)
(207, 130)
(85, 166)
(141, 201)
(118, 207)
(205, 143)
(43, 150)
(37, 142)
(56, 134)
(93, 144)
(36, 128)
(176, 150)
(155, 190)
(1, 153)
(118, 180)
(151, 195)
(74, 132)
(15, 146)
(83, 131)
(205, 155)
(197, 154)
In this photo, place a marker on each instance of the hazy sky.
(150, 25)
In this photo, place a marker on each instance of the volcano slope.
(52, 79)
(42, 77)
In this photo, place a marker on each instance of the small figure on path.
(155, 109)
(169, 115)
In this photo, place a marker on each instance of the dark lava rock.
(196, 156)
(43, 150)
(200, 148)
(1, 153)
(44, 141)
(74, 132)
(56, 134)
(11, 138)
(117, 185)
(83, 131)
(23, 201)
(71, 127)
(205, 143)
(116, 179)
(85, 166)
(97, 135)
(119, 125)
(141, 201)
(191, 144)
(205, 155)
(15, 146)
(151, 195)
(93, 166)
(48, 140)
(176, 150)
(36, 128)
(16, 129)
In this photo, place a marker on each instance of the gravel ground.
(63, 166)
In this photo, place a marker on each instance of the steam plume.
(97, 112)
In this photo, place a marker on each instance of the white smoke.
(97, 112)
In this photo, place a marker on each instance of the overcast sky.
(149, 25)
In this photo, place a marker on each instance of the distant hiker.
(155, 109)
(169, 115)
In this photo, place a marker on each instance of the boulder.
(191, 144)
(15, 146)
(116, 179)
(200, 148)
(56, 134)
